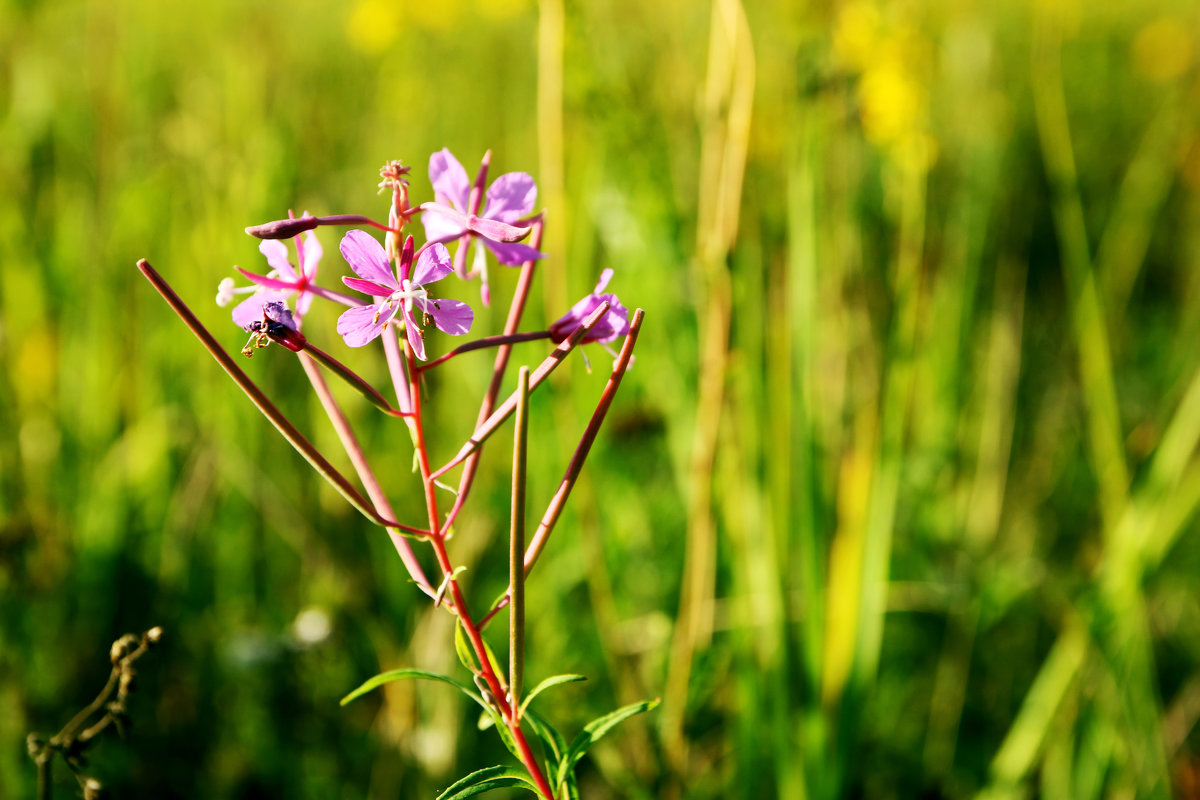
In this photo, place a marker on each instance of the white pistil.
(226, 291)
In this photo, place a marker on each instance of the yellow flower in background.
(374, 24)
(856, 34)
(1162, 49)
(498, 10)
(892, 60)
(892, 102)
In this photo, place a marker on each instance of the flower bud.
(283, 228)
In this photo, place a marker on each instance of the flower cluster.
(461, 213)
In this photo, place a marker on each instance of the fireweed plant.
(394, 299)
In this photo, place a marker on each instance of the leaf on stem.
(595, 730)
(412, 674)
(555, 742)
(553, 680)
(486, 779)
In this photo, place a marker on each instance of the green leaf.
(572, 786)
(553, 680)
(554, 741)
(462, 648)
(597, 728)
(405, 674)
(505, 734)
(486, 779)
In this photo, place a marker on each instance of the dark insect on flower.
(276, 325)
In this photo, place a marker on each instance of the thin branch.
(268, 409)
(575, 467)
(516, 550)
(508, 406)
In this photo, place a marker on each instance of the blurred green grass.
(899, 499)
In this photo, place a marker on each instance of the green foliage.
(553, 680)
(410, 674)
(485, 780)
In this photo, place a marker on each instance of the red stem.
(437, 539)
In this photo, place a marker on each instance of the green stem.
(516, 550)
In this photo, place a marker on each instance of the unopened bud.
(283, 228)
(118, 650)
(92, 789)
(154, 635)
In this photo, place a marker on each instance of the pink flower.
(510, 197)
(277, 285)
(398, 295)
(613, 325)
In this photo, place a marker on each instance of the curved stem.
(485, 342)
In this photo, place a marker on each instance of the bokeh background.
(898, 501)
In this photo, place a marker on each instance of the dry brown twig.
(77, 735)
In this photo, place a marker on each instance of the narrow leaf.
(486, 779)
(553, 680)
(597, 728)
(405, 674)
(462, 649)
(556, 743)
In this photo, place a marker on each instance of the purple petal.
(270, 283)
(496, 230)
(368, 287)
(432, 265)
(513, 254)
(451, 316)
(251, 309)
(277, 256)
(511, 196)
(414, 336)
(304, 302)
(449, 179)
(367, 258)
(614, 324)
(359, 325)
(439, 227)
(605, 276)
(310, 255)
